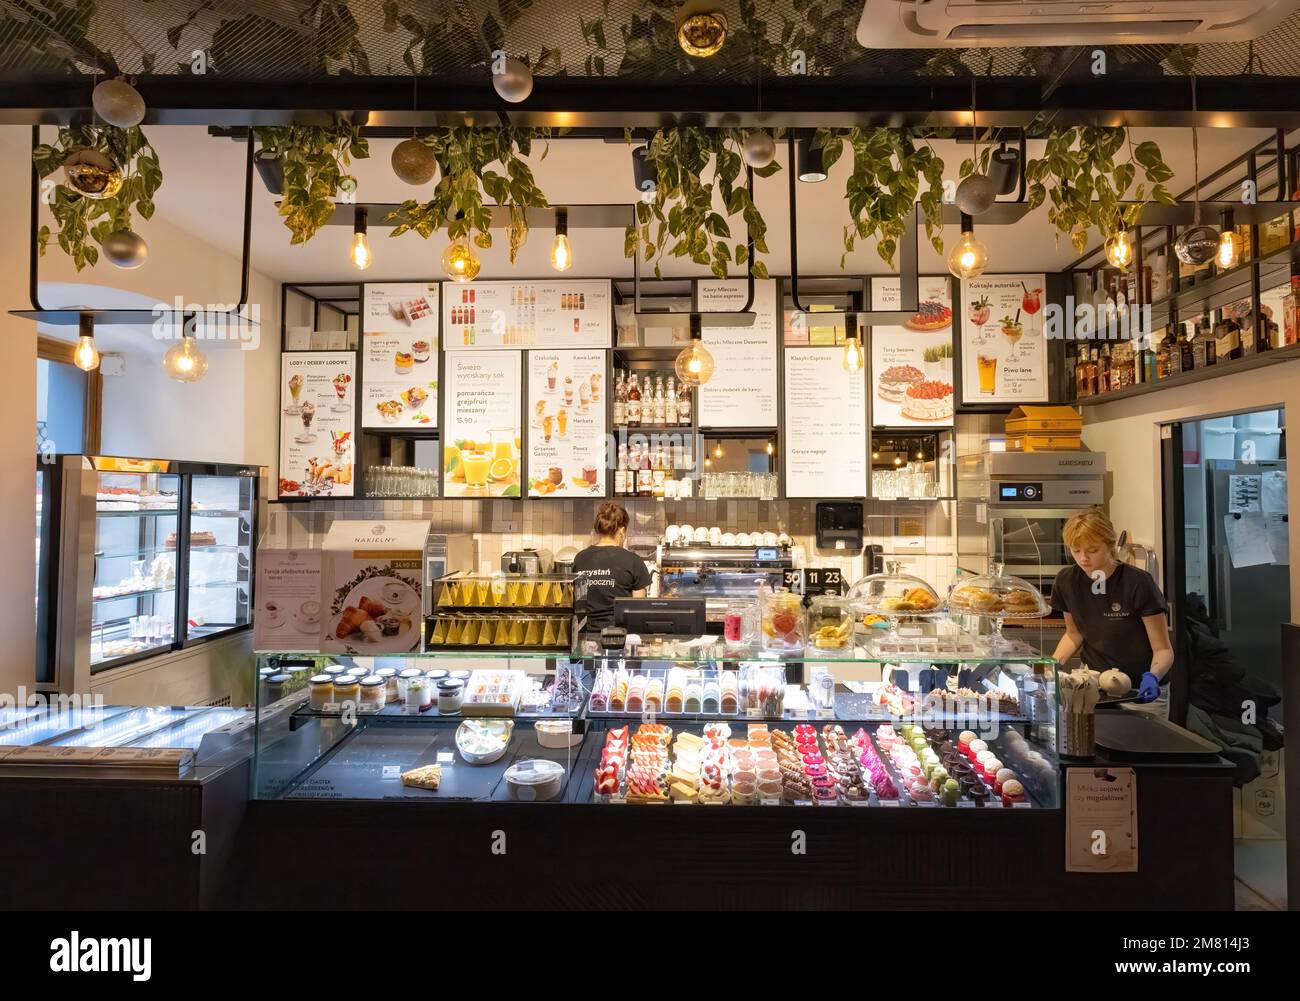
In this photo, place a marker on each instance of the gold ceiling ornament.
(701, 31)
(92, 174)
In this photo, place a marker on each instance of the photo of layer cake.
(895, 381)
(929, 400)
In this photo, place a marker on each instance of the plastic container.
(534, 780)
(483, 741)
(762, 690)
(451, 695)
(785, 624)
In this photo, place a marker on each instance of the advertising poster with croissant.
(317, 393)
(1003, 350)
(371, 587)
(399, 356)
(911, 365)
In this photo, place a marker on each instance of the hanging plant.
(1078, 174)
(314, 160)
(888, 165)
(679, 218)
(464, 156)
(86, 219)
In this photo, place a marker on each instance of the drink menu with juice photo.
(481, 454)
(566, 424)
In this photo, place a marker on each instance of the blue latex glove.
(1149, 689)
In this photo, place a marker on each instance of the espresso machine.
(721, 574)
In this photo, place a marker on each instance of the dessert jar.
(451, 695)
(357, 672)
(404, 678)
(784, 622)
(373, 693)
(389, 674)
(830, 626)
(347, 689)
(534, 779)
(419, 695)
(322, 690)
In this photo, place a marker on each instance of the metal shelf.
(1276, 356)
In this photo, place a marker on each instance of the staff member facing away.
(605, 570)
(1114, 612)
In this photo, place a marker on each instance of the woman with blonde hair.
(1114, 612)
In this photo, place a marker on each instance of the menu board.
(566, 423)
(399, 355)
(288, 600)
(480, 453)
(825, 425)
(316, 422)
(522, 314)
(742, 391)
(1003, 350)
(911, 365)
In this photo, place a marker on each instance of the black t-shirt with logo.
(604, 573)
(1109, 614)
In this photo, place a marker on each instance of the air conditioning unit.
(964, 24)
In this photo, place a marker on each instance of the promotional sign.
(514, 314)
(480, 453)
(371, 586)
(288, 600)
(1003, 350)
(566, 423)
(1101, 821)
(742, 391)
(911, 365)
(399, 356)
(826, 425)
(317, 392)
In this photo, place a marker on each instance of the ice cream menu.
(825, 425)
(399, 356)
(742, 391)
(317, 394)
(911, 365)
(480, 451)
(1003, 350)
(522, 314)
(566, 423)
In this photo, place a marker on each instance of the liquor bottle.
(645, 477)
(1081, 373)
(620, 472)
(1206, 348)
(1139, 374)
(620, 402)
(1291, 313)
(670, 402)
(633, 403)
(661, 407)
(1227, 340)
(1186, 352)
(1103, 370)
(1249, 342)
(659, 471)
(684, 406)
(1166, 353)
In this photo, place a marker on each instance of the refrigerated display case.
(137, 557)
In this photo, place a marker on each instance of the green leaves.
(314, 160)
(85, 222)
(697, 200)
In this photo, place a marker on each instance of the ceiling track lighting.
(360, 253)
(85, 355)
(809, 162)
(561, 252)
(969, 257)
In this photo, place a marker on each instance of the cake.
(931, 316)
(420, 351)
(424, 777)
(928, 400)
(895, 381)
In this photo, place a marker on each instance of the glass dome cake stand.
(998, 597)
(893, 596)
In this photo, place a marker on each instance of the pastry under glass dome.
(998, 596)
(894, 595)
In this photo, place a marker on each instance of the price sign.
(392, 771)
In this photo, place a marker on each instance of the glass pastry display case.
(715, 731)
(506, 611)
(139, 557)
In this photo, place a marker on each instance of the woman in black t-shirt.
(605, 570)
(1114, 612)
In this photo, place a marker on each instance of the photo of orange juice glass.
(476, 465)
(988, 369)
(548, 425)
(562, 419)
(503, 443)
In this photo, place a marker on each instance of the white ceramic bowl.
(769, 538)
(728, 539)
(671, 535)
(715, 536)
(701, 535)
(744, 539)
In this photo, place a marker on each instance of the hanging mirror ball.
(760, 149)
(976, 194)
(118, 103)
(125, 249)
(1197, 245)
(515, 82)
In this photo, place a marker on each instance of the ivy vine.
(314, 160)
(84, 222)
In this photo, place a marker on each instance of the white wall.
(1128, 431)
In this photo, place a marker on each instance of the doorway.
(1231, 588)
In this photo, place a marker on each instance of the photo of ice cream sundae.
(295, 391)
(308, 412)
(341, 383)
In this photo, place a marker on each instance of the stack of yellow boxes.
(1044, 429)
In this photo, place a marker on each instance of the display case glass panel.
(220, 555)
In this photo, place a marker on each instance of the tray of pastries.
(998, 596)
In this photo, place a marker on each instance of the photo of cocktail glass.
(548, 427)
(340, 440)
(341, 383)
(1033, 299)
(562, 422)
(988, 370)
(1013, 330)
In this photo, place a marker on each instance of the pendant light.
(118, 103)
(1119, 250)
(459, 262)
(184, 362)
(125, 249)
(1229, 253)
(760, 148)
(561, 252)
(694, 363)
(413, 162)
(85, 355)
(361, 256)
(1197, 245)
(512, 79)
(809, 162)
(701, 29)
(976, 193)
(969, 257)
(852, 360)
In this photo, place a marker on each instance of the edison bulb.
(694, 365)
(1229, 252)
(85, 354)
(561, 253)
(361, 257)
(184, 362)
(969, 257)
(852, 355)
(459, 262)
(1119, 250)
